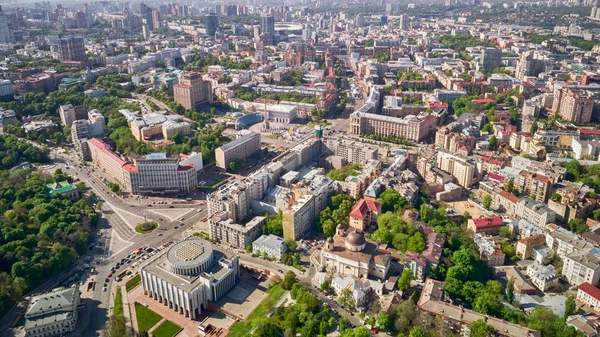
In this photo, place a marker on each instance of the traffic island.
(146, 227)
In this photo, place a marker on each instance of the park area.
(146, 318)
(243, 328)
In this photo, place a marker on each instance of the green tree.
(505, 232)
(510, 288)
(577, 226)
(345, 299)
(385, 321)
(416, 243)
(289, 280)
(510, 185)
(115, 327)
(236, 164)
(480, 328)
(291, 244)
(391, 201)
(405, 279)
(533, 129)
(417, 332)
(487, 201)
(248, 249)
(177, 138)
(570, 307)
(493, 141)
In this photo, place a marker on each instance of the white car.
(104, 289)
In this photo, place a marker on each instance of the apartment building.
(504, 201)
(351, 152)
(272, 245)
(588, 294)
(299, 217)
(489, 225)
(531, 183)
(564, 242)
(241, 148)
(230, 201)
(573, 105)
(82, 130)
(543, 277)
(535, 212)
(192, 91)
(489, 251)
(582, 266)
(235, 235)
(526, 245)
(458, 167)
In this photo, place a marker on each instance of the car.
(107, 280)
(149, 205)
(176, 227)
(279, 270)
(110, 274)
(160, 234)
(171, 206)
(104, 289)
(131, 206)
(118, 267)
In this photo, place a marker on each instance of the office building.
(192, 91)
(158, 125)
(415, 128)
(404, 24)
(271, 245)
(281, 113)
(156, 21)
(227, 232)
(212, 24)
(153, 173)
(267, 29)
(146, 14)
(71, 49)
(188, 275)
(69, 113)
(7, 92)
(582, 266)
(491, 58)
(53, 313)
(6, 35)
(459, 319)
(350, 254)
(241, 148)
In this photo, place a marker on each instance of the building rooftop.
(55, 306)
(590, 290)
(488, 222)
(363, 206)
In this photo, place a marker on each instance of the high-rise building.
(69, 113)
(491, 58)
(146, 32)
(529, 65)
(156, 22)
(146, 14)
(404, 22)
(360, 20)
(574, 105)
(71, 48)
(5, 34)
(81, 20)
(267, 29)
(212, 24)
(192, 91)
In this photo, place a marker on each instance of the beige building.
(573, 105)
(588, 294)
(364, 213)
(69, 113)
(414, 128)
(230, 201)
(157, 125)
(241, 148)
(192, 91)
(351, 254)
(526, 245)
(458, 167)
(240, 236)
(582, 266)
(153, 173)
(299, 217)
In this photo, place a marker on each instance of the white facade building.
(52, 314)
(583, 266)
(273, 245)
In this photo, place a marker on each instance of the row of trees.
(334, 214)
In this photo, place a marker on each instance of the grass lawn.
(213, 186)
(166, 329)
(134, 282)
(240, 329)
(118, 311)
(146, 227)
(146, 318)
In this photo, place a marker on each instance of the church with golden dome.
(350, 253)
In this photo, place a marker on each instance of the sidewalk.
(126, 309)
